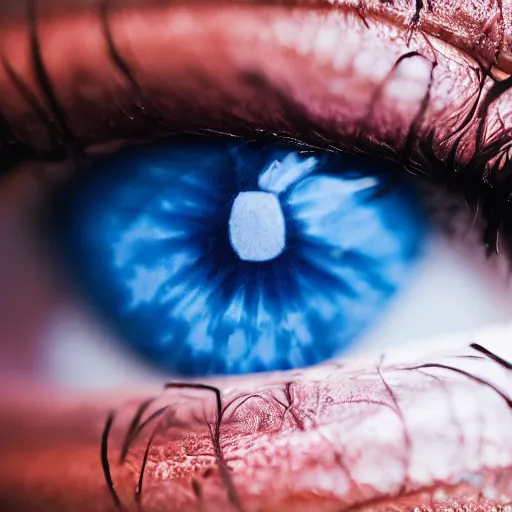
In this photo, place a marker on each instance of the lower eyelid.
(399, 398)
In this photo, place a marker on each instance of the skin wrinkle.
(476, 27)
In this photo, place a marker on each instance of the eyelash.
(157, 414)
(484, 181)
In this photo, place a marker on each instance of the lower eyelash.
(307, 408)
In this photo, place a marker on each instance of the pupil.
(257, 229)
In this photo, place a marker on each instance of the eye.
(212, 256)
(347, 107)
(282, 118)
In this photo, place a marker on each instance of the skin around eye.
(429, 429)
(324, 454)
(360, 82)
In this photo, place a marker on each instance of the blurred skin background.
(416, 415)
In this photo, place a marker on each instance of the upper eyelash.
(476, 179)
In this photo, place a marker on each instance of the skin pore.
(424, 427)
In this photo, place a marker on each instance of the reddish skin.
(480, 28)
(54, 464)
(222, 68)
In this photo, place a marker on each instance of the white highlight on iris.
(279, 175)
(257, 228)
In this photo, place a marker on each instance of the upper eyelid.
(43, 90)
(119, 52)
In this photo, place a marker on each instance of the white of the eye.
(454, 290)
(257, 229)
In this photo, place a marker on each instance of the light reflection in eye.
(211, 256)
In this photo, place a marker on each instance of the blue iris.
(213, 256)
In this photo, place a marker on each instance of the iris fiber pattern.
(213, 256)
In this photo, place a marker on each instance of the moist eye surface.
(214, 255)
